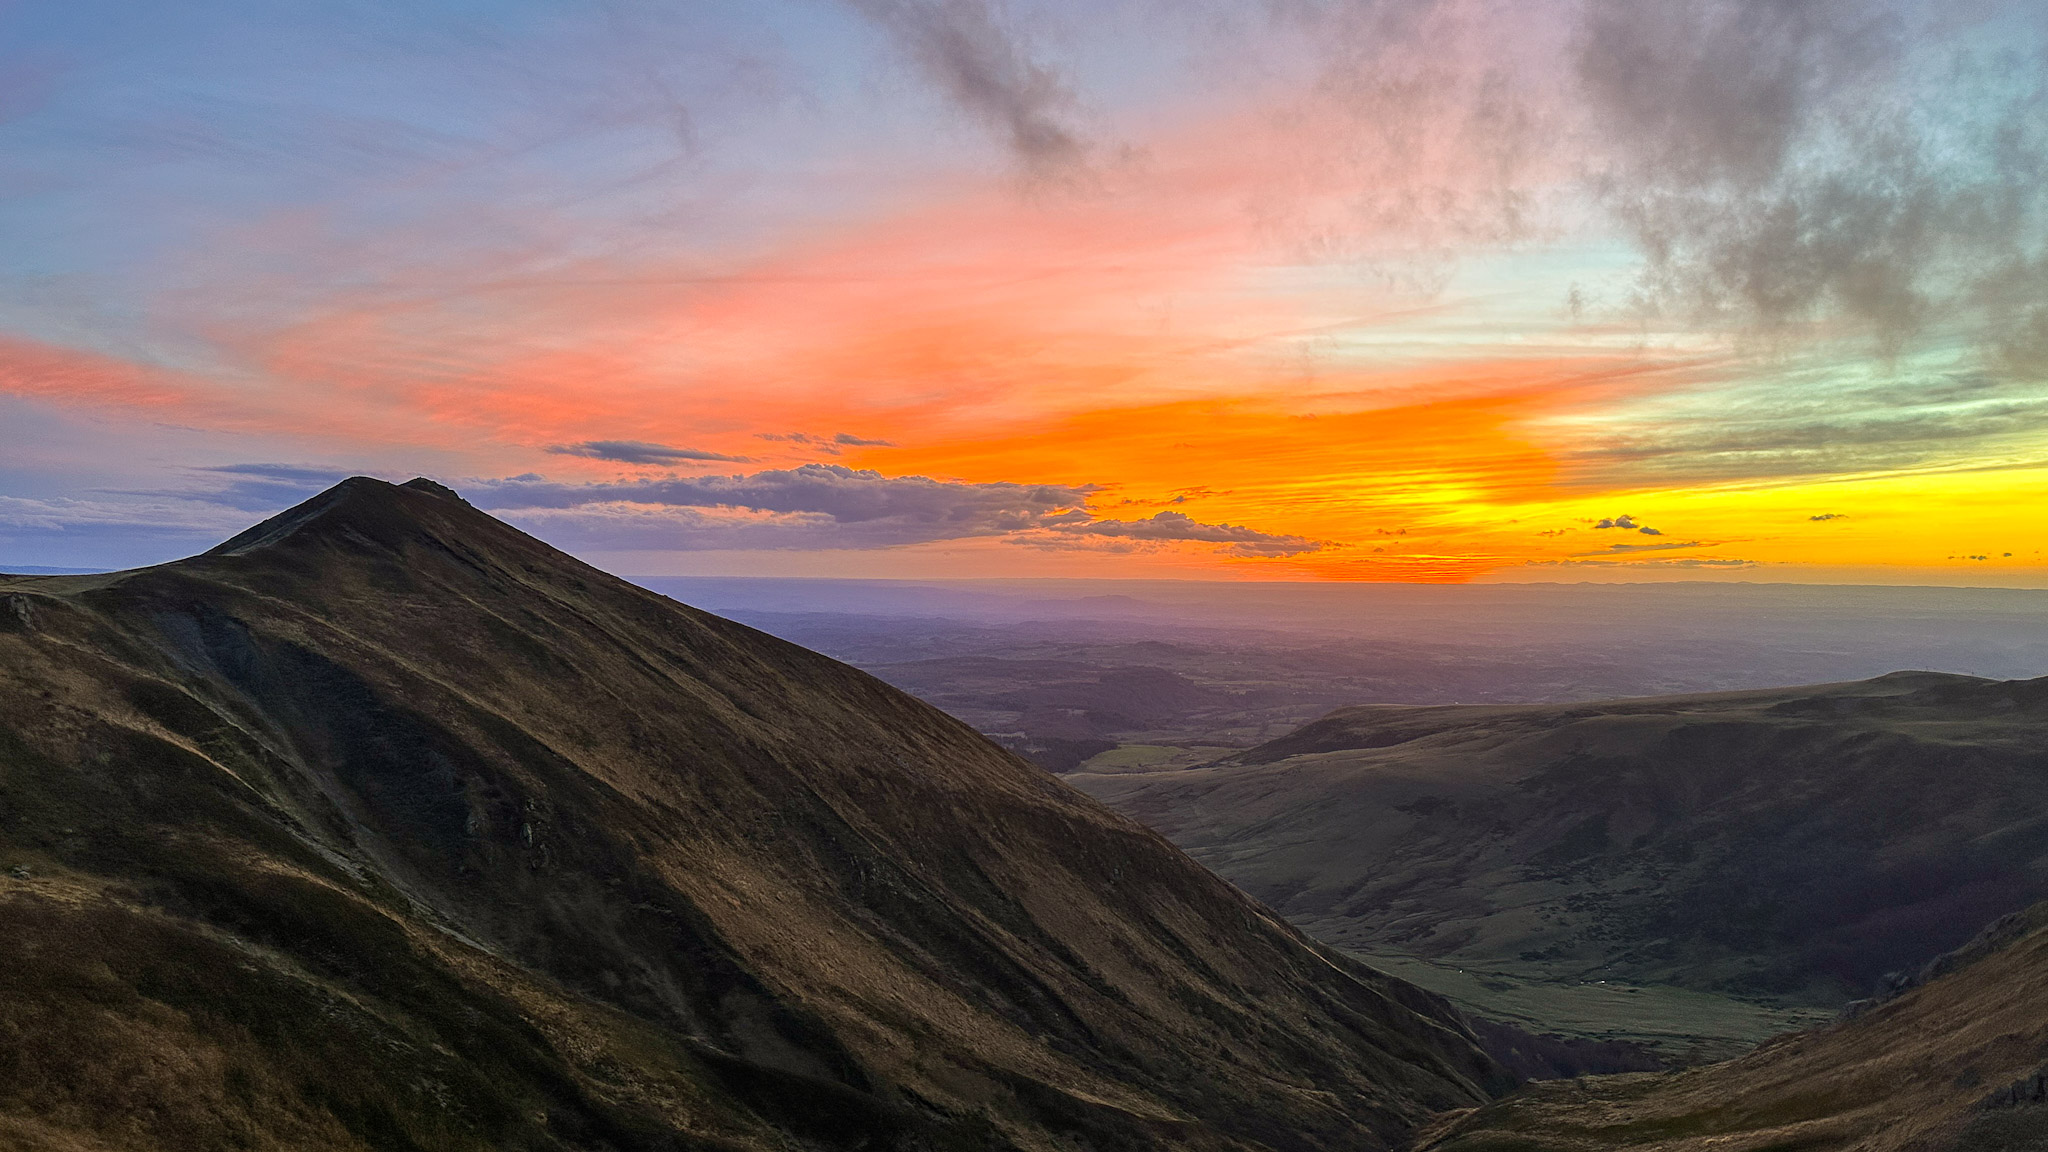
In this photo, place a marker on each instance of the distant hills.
(1171, 674)
(385, 826)
(1797, 845)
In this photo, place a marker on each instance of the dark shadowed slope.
(1798, 843)
(384, 825)
(1957, 1065)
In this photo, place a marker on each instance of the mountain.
(385, 826)
(1796, 844)
(1955, 1065)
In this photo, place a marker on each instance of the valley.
(1193, 730)
(1955, 1062)
(1785, 850)
(1681, 1026)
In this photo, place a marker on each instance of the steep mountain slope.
(1798, 843)
(386, 826)
(1957, 1065)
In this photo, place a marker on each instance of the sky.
(1384, 290)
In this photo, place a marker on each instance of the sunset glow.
(1418, 292)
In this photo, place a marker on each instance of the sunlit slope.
(1796, 844)
(384, 825)
(1954, 1066)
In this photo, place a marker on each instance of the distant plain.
(1126, 686)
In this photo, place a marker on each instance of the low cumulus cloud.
(641, 452)
(1628, 524)
(833, 506)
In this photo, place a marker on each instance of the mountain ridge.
(386, 761)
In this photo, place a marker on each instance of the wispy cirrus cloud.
(1815, 232)
(1623, 549)
(260, 487)
(1179, 526)
(1783, 165)
(968, 53)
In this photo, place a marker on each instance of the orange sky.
(1383, 303)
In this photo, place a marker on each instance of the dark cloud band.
(833, 506)
(641, 452)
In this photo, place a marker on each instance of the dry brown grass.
(387, 826)
(1912, 1075)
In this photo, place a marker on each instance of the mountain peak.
(432, 488)
(371, 506)
(423, 833)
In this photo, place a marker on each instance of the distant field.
(1058, 671)
(1152, 757)
(1694, 1027)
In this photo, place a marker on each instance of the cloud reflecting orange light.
(1144, 334)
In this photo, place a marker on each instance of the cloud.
(1809, 417)
(977, 63)
(851, 495)
(1627, 523)
(120, 530)
(1721, 90)
(827, 444)
(1613, 549)
(261, 487)
(1785, 164)
(1827, 516)
(59, 514)
(859, 508)
(833, 506)
(1672, 562)
(640, 452)
(1177, 526)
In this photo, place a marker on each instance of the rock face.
(1799, 843)
(386, 826)
(1954, 1065)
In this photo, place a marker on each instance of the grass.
(1678, 1023)
(1152, 757)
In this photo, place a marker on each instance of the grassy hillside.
(1788, 846)
(384, 826)
(1954, 1066)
